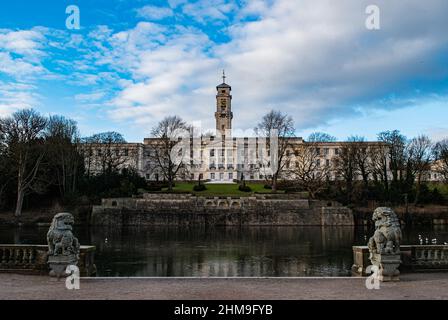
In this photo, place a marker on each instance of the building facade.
(224, 158)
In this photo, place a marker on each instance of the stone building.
(224, 158)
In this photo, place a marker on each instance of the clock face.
(223, 102)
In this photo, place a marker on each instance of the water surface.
(222, 252)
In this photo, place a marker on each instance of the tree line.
(40, 159)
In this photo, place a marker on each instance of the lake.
(222, 252)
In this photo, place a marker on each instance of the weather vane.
(224, 76)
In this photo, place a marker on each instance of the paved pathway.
(411, 286)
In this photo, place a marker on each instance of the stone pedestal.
(58, 264)
(387, 266)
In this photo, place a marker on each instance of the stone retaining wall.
(156, 209)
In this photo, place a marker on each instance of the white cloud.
(18, 67)
(90, 97)
(316, 61)
(22, 52)
(16, 96)
(155, 13)
(205, 11)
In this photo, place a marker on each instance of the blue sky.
(134, 62)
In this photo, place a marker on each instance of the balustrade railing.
(32, 259)
(430, 255)
(413, 257)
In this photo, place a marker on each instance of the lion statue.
(387, 236)
(60, 237)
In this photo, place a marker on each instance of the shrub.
(154, 187)
(244, 188)
(288, 186)
(199, 188)
(267, 186)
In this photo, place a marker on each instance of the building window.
(126, 152)
(327, 163)
(318, 162)
(212, 176)
(327, 151)
(212, 153)
(318, 151)
(147, 176)
(230, 176)
(157, 176)
(336, 151)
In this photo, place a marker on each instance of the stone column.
(387, 266)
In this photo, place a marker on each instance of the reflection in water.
(221, 252)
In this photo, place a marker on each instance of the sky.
(132, 63)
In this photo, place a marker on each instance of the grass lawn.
(222, 189)
(443, 188)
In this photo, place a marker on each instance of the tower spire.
(224, 76)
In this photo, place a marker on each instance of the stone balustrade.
(430, 256)
(32, 259)
(413, 257)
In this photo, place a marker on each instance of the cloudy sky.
(134, 62)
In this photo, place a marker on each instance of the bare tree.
(23, 135)
(419, 153)
(379, 164)
(164, 152)
(106, 152)
(362, 159)
(276, 123)
(321, 137)
(62, 138)
(396, 146)
(308, 171)
(440, 152)
(346, 165)
(5, 176)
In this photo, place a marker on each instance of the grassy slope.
(221, 189)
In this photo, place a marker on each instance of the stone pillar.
(387, 266)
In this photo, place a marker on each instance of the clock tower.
(223, 114)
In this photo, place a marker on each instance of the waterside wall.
(166, 209)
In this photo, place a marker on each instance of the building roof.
(224, 85)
